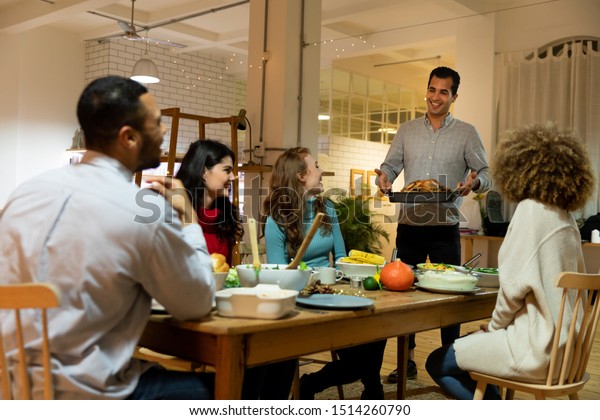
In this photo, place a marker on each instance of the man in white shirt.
(109, 247)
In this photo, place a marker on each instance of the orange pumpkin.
(397, 276)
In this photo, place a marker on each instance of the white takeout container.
(454, 280)
(362, 270)
(264, 301)
(273, 274)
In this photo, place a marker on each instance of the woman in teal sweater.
(294, 200)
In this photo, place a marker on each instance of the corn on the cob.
(351, 260)
(366, 257)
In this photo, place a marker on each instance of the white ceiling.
(366, 30)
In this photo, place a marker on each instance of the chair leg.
(296, 384)
(574, 396)
(340, 388)
(480, 390)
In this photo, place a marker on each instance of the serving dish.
(362, 270)
(449, 280)
(328, 301)
(276, 274)
(264, 301)
(441, 267)
(446, 290)
(411, 197)
(485, 279)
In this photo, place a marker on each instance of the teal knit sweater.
(321, 246)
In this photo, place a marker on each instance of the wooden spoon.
(306, 242)
(254, 242)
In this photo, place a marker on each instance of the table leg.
(229, 368)
(401, 361)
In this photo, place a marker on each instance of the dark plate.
(423, 197)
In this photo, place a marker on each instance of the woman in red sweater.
(207, 173)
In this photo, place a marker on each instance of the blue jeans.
(268, 382)
(441, 366)
(161, 384)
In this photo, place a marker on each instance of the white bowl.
(454, 280)
(362, 270)
(273, 274)
(265, 301)
(220, 279)
(485, 279)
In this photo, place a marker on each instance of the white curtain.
(563, 87)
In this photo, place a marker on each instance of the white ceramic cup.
(328, 275)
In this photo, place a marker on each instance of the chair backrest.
(245, 251)
(572, 365)
(27, 296)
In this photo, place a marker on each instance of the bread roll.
(219, 263)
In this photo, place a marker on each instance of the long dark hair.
(286, 203)
(204, 154)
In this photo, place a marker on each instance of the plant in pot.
(355, 223)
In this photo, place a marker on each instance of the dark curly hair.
(204, 154)
(286, 203)
(546, 164)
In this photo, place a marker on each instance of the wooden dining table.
(232, 344)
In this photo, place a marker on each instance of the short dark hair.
(546, 164)
(106, 105)
(444, 73)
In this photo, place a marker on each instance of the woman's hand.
(174, 192)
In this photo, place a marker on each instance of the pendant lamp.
(145, 71)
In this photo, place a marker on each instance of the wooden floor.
(430, 340)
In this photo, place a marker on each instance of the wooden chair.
(245, 251)
(573, 362)
(305, 361)
(167, 361)
(27, 296)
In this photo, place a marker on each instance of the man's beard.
(148, 158)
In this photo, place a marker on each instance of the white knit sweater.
(541, 242)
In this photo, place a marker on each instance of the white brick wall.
(196, 84)
(344, 154)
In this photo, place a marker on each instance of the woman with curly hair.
(207, 173)
(547, 172)
(291, 208)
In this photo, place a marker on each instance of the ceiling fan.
(130, 30)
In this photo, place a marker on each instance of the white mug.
(328, 275)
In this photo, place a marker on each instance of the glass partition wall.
(363, 108)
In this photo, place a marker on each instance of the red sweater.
(208, 222)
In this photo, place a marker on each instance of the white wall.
(44, 71)
(41, 78)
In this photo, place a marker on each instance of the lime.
(369, 283)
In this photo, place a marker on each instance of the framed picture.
(371, 177)
(357, 177)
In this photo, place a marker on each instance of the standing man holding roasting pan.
(441, 147)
